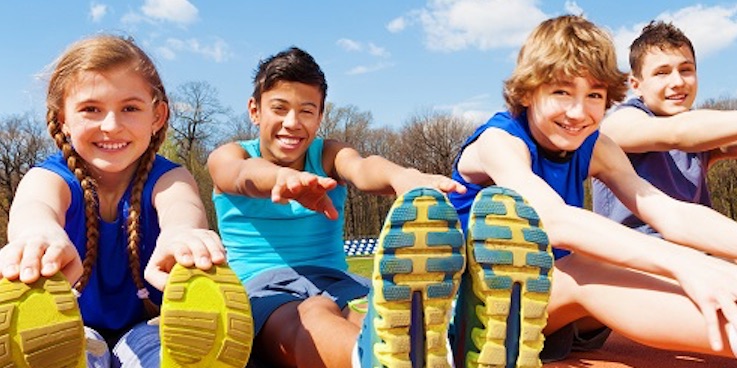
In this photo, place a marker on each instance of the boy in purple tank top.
(669, 145)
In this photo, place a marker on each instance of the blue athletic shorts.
(271, 289)
(559, 344)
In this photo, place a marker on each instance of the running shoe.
(504, 293)
(205, 319)
(416, 274)
(40, 325)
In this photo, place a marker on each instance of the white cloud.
(371, 49)
(377, 51)
(349, 45)
(710, 29)
(452, 25)
(166, 53)
(397, 25)
(623, 38)
(364, 69)
(97, 12)
(132, 18)
(573, 8)
(218, 51)
(476, 109)
(175, 11)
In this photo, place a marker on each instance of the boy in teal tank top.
(279, 201)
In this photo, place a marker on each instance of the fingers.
(30, 263)
(202, 250)
(448, 185)
(326, 207)
(10, 256)
(62, 256)
(712, 327)
(155, 276)
(732, 338)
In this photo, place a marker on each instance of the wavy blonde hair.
(568, 46)
(99, 54)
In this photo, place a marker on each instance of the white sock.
(355, 359)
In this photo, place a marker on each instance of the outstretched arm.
(233, 171)
(185, 237)
(375, 174)
(691, 131)
(38, 243)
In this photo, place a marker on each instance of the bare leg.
(649, 309)
(313, 333)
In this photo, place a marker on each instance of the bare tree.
(196, 112)
(430, 141)
(346, 124)
(240, 127)
(23, 143)
(722, 177)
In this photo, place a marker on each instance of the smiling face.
(563, 114)
(668, 82)
(288, 118)
(110, 118)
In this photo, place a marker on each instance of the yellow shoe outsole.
(40, 325)
(507, 246)
(416, 274)
(205, 319)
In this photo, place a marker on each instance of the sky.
(394, 58)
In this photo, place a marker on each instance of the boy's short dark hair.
(290, 65)
(664, 36)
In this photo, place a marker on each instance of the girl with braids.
(107, 205)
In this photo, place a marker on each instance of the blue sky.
(394, 58)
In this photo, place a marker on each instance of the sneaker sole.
(507, 246)
(40, 325)
(205, 319)
(417, 270)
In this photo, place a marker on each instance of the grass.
(361, 265)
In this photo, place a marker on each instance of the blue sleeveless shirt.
(109, 301)
(681, 175)
(565, 176)
(262, 235)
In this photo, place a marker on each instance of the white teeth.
(570, 128)
(290, 140)
(112, 146)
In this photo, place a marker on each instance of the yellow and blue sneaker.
(40, 325)
(416, 274)
(205, 319)
(502, 305)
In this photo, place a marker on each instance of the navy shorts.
(559, 344)
(271, 289)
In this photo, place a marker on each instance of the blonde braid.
(91, 204)
(134, 224)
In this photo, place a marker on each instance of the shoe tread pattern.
(40, 325)
(196, 332)
(507, 246)
(421, 251)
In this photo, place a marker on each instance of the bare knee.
(313, 311)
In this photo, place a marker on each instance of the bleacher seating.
(359, 247)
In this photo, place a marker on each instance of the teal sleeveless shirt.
(260, 235)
